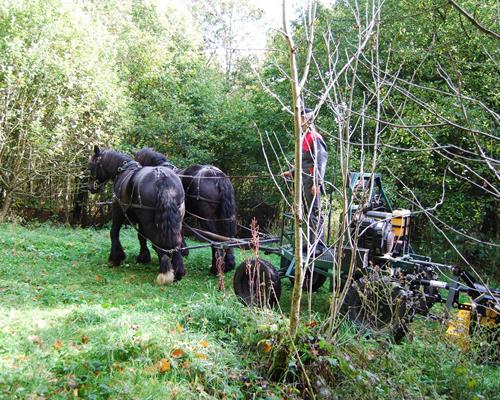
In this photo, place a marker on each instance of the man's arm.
(320, 162)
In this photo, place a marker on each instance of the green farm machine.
(388, 284)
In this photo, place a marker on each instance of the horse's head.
(98, 174)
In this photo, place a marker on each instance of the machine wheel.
(317, 281)
(257, 283)
(378, 306)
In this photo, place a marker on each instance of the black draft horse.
(152, 198)
(209, 199)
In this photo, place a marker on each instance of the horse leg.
(217, 253)
(217, 259)
(229, 261)
(117, 254)
(185, 250)
(144, 256)
(178, 264)
(166, 272)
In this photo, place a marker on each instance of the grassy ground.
(70, 327)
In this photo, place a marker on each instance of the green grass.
(69, 322)
(71, 326)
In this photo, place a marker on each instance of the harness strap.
(169, 165)
(233, 218)
(128, 164)
(198, 197)
(131, 205)
(197, 177)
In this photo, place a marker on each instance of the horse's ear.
(97, 151)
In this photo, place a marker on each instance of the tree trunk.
(79, 207)
(5, 206)
(297, 198)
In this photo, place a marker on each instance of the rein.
(198, 179)
(131, 205)
(233, 218)
(232, 176)
(198, 197)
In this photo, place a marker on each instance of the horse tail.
(169, 213)
(227, 206)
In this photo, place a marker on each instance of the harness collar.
(128, 165)
(169, 165)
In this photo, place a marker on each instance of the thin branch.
(473, 20)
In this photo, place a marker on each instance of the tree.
(225, 24)
(412, 108)
(58, 93)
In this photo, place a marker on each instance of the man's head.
(306, 117)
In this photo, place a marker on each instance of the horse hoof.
(165, 278)
(143, 259)
(116, 259)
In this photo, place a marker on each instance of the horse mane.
(114, 159)
(148, 156)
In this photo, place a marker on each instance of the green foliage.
(59, 93)
(434, 53)
(54, 64)
(438, 44)
(129, 74)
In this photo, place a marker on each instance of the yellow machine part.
(459, 329)
(400, 222)
(489, 319)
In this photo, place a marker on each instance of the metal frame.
(413, 267)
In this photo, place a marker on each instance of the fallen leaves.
(177, 353)
(371, 355)
(84, 339)
(164, 365)
(311, 324)
(267, 346)
(204, 343)
(201, 356)
(72, 382)
(58, 344)
(314, 352)
(117, 367)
